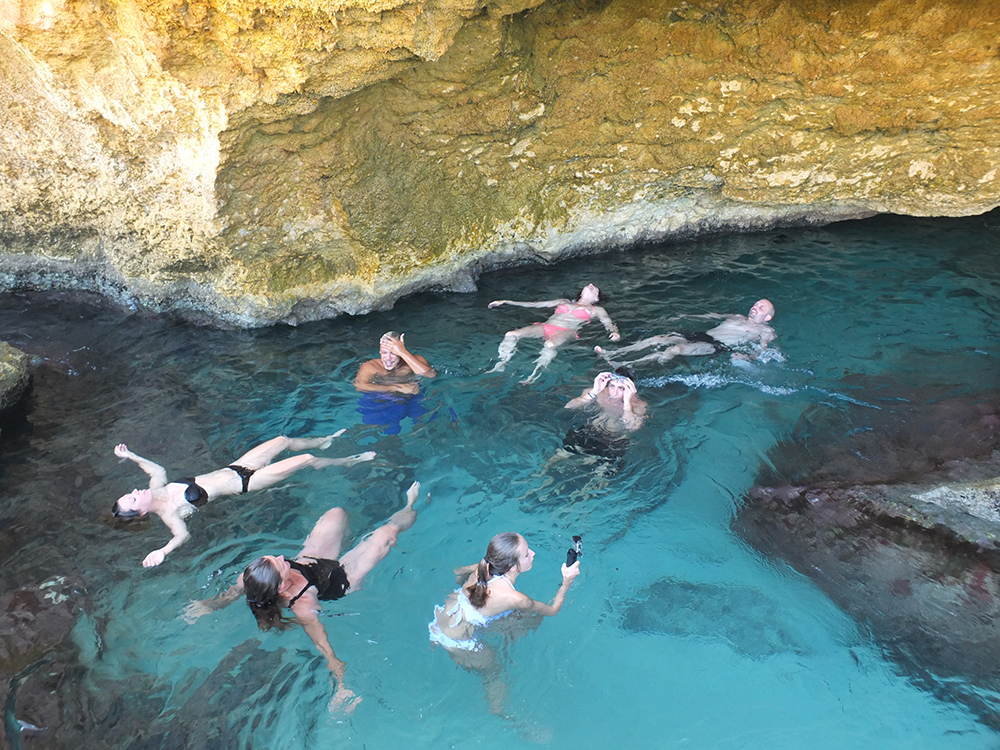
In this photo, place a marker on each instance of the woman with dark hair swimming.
(487, 597)
(561, 327)
(175, 501)
(272, 583)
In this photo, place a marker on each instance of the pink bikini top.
(577, 312)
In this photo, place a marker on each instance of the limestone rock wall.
(246, 162)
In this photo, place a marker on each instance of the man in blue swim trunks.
(390, 384)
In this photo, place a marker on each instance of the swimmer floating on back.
(272, 583)
(560, 328)
(175, 501)
(733, 331)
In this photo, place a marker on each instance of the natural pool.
(677, 634)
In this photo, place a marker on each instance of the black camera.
(576, 551)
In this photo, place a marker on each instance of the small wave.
(761, 354)
(714, 380)
(691, 380)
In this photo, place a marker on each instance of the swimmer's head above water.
(589, 295)
(132, 506)
(262, 581)
(506, 552)
(618, 379)
(762, 311)
(386, 347)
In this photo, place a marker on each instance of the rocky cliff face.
(252, 161)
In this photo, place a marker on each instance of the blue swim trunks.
(389, 410)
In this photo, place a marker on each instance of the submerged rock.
(918, 561)
(35, 626)
(259, 162)
(739, 617)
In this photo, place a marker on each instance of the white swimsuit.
(461, 610)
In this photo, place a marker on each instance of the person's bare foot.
(328, 440)
(413, 493)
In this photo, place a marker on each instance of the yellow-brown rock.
(256, 161)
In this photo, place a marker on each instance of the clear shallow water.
(676, 635)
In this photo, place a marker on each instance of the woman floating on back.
(175, 501)
(569, 317)
(272, 583)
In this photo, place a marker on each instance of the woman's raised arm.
(547, 610)
(157, 474)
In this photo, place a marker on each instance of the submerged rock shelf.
(251, 163)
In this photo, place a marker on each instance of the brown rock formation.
(260, 161)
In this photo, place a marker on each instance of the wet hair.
(125, 515)
(501, 556)
(389, 335)
(260, 583)
(625, 372)
(125, 520)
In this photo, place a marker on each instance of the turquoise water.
(743, 652)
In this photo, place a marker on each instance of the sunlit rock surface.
(251, 162)
(15, 375)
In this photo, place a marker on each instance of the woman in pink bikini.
(562, 326)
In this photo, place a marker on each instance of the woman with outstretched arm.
(562, 326)
(175, 501)
(487, 597)
(317, 573)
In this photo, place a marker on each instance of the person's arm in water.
(200, 607)
(633, 408)
(157, 474)
(767, 337)
(305, 612)
(589, 396)
(527, 604)
(543, 303)
(612, 329)
(178, 528)
(418, 364)
(364, 381)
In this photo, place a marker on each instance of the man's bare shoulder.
(373, 367)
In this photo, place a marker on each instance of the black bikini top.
(195, 493)
(328, 576)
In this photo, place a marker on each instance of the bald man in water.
(732, 332)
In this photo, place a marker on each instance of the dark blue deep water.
(738, 651)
